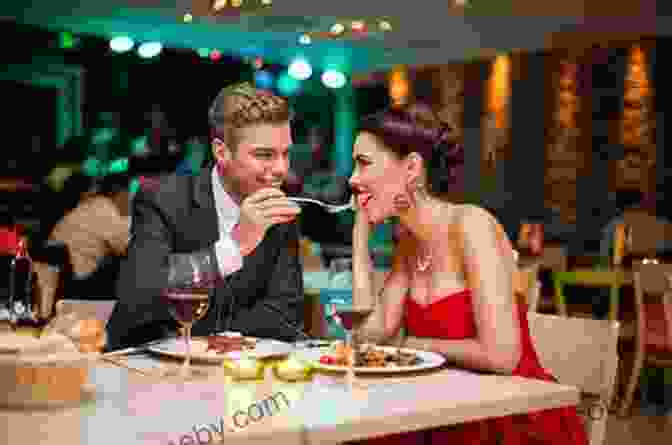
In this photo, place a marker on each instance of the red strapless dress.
(452, 318)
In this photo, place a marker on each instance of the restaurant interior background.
(567, 166)
(556, 103)
(558, 113)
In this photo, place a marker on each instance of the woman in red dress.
(451, 283)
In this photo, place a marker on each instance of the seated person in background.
(233, 210)
(96, 234)
(9, 237)
(452, 278)
(76, 188)
(641, 216)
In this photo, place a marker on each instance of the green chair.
(614, 279)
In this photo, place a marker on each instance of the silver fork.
(135, 350)
(331, 208)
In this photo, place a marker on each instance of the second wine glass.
(187, 294)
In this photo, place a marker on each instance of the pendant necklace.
(424, 262)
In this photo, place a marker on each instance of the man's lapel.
(202, 190)
(203, 218)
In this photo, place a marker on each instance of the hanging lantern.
(636, 99)
(500, 89)
(399, 85)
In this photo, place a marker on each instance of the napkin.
(50, 348)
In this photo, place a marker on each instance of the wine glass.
(187, 293)
(348, 316)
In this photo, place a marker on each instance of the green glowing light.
(66, 40)
(118, 166)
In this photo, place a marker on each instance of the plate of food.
(372, 359)
(215, 348)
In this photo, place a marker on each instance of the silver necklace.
(424, 262)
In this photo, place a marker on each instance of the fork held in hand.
(328, 207)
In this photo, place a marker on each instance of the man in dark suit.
(233, 211)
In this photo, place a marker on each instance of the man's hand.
(258, 212)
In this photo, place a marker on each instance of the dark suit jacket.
(178, 215)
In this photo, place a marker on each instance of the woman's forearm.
(362, 268)
(467, 353)
(372, 329)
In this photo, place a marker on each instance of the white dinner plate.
(175, 347)
(428, 360)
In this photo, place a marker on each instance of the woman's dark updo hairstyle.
(417, 128)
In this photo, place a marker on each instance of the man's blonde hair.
(241, 105)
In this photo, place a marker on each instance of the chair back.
(554, 258)
(653, 298)
(646, 232)
(583, 353)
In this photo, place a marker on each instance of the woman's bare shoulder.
(471, 216)
(476, 221)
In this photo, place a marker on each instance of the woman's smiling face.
(378, 177)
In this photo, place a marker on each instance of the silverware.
(140, 349)
(331, 208)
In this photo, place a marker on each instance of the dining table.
(128, 401)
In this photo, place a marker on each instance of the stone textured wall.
(451, 90)
(568, 146)
(637, 125)
(564, 158)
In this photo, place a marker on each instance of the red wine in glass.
(349, 318)
(352, 316)
(187, 305)
(190, 277)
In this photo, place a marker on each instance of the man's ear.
(220, 151)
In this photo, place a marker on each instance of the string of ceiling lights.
(288, 81)
(299, 69)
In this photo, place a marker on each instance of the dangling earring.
(420, 191)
